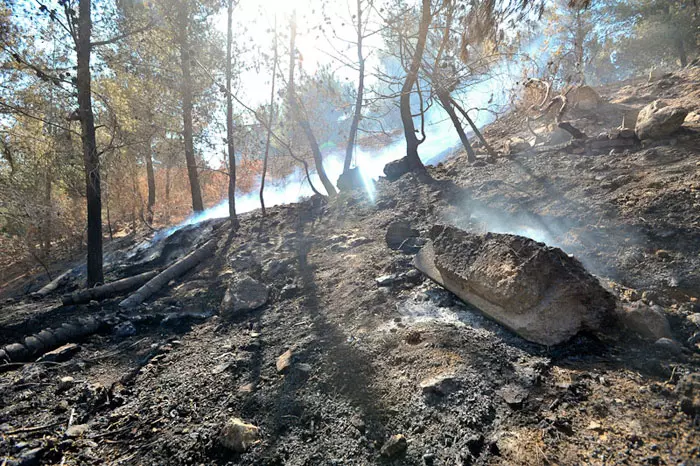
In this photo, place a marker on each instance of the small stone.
(284, 362)
(694, 319)
(669, 345)
(358, 423)
(30, 457)
(77, 430)
(64, 353)
(395, 446)
(65, 383)
(125, 329)
(239, 436)
(387, 280)
(439, 385)
(596, 426)
(303, 367)
(398, 232)
(429, 459)
(513, 395)
(247, 388)
(243, 294)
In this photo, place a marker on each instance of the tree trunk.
(487, 146)
(197, 204)
(151, 177)
(301, 116)
(270, 123)
(409, 130)
(360, 91)
(447, 105)
(90, 157)
(108, 290)
(229, 124)
(46, 233)
(680, 49)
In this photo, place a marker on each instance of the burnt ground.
(159, 393)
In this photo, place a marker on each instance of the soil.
(160, 391)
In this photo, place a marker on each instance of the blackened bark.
(151, 178)
(302, 118)
(90, 157)
(229, 124)
(409, 130)
(197, 204)
(360, 91)
(270, 122)
(447, 105)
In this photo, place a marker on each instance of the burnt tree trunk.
(446, 103)
(151, 179)
(360, 91)
(197, 204)
(301, 116)
(229, 123)
(270, 122)
(409, 129)
(481, 137)
(90, 156)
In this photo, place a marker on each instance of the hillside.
(352, 346)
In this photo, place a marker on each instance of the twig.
(27, 430)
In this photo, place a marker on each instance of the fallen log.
(174, 271)
(110, 289)
(538, 292)
(52, 285)
(48, 339)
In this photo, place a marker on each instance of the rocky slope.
(340, 352)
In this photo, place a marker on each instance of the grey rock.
(648, 321)
(243, 294)
(398, 232)
(439, 385)
(658, 120)
(394, 170)
(669, 345)
(238, 436)
(514, 395)
(387, 280)
(125, 329)
(539, 292)
(395, 446)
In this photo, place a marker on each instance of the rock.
(277, 267)
(30, 457)
(239, 436)
(244, 294)
(516, 145)
(398, 232)
(694, 319)
(658, 120)
(394, 170)
(514, 395)
(558, 136)
(412, 245)
(125, 329)
(626, 133)
(395, 446)
(583, 98)
(246, 388)
(289, 291)
(65, 383)
(688, 389)
(539, 292)
(669, 345)
(439, 385)
(358, 423)
(284, 362)
(77, 430)
(387, 280)
(64, 353)
(350, 180)
(647, 321)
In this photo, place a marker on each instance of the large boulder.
(243, 294)
(539, 292)
(648, 321)
(396, 169)
(658, 120)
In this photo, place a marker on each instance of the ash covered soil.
(372, 349)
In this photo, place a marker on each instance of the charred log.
(174, 271)
(109, 290)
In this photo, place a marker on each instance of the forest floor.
(159, 386)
